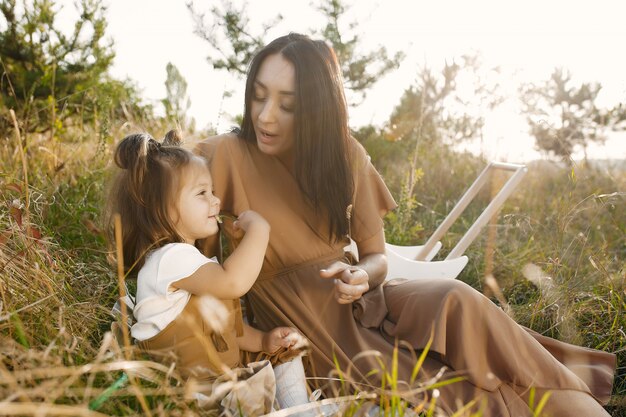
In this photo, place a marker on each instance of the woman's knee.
(455, 290)
(418, 297)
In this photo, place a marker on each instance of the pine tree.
(563, 117)
(49, 76)
(234, 44)
(177, 102)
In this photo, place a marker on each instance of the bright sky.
(526, 39)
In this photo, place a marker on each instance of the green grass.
(56, 286)
(569, 223)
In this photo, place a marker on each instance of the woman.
(295, 163)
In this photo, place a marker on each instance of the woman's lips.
(266, 137)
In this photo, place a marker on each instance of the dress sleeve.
(372, 199)
(176, 262)
(226, 157)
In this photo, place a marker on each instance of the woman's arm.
(352, 281)
(235, 277)
(372, 258)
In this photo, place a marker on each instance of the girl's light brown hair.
(143, 192)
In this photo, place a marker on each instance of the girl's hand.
(236, 227)
(281, 337)
(250, 219)
(351, 282)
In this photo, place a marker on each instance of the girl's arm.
(251, 340)
(235, 277)
(254, 340)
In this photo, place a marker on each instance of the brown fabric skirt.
(471, 337)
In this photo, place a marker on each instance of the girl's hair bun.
(141, 145)
(173, 138)
(131, 149)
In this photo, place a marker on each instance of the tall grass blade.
(20, 147)
(20, 333)
(100, 399)
(542, 403)
(422, 357)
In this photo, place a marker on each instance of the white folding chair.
(415, 262)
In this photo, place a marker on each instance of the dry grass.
(58, 358)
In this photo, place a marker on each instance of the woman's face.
(272, 107)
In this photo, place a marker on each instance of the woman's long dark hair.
(321, 133)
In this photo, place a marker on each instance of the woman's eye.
(202, 193)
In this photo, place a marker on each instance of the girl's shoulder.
(173, 260)
(176, 247)
(172, 249)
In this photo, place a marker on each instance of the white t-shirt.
(158, 303)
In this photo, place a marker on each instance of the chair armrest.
(400, 267)
(410, 252)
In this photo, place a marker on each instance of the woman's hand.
(281, 337)
(351, 282)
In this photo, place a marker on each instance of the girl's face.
(272, 107)
(196, 206)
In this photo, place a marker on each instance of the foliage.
(228, 32)
(563, 117)
(51, 78)
(392, 157)
(229, 35)
(439, 110)
(618, 117)
(360, 71)
(177, 102)
(447, 106)
(41, 63)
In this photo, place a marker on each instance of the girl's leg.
(291, 390)
(291, 386)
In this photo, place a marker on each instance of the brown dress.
(203, 354)
(472, 337)
(197, 350)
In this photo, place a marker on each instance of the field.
(557, 251)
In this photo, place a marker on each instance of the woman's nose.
(216, 201)
(267, 114)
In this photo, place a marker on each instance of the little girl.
(165, 199)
